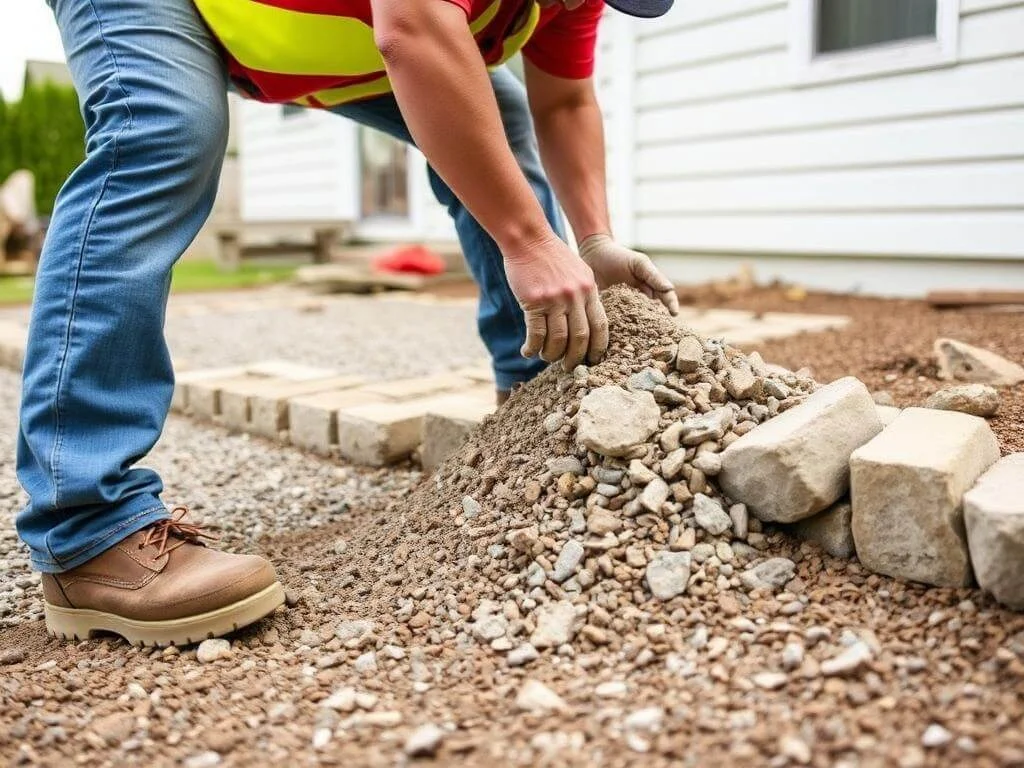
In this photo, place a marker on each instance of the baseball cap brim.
(644, 9)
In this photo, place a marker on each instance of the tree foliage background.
(43, 133)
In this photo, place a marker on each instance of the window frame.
(381, 216)
(810, 68)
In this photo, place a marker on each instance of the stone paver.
(832, 530)
(422, 386)
(185, 382)
(313, 419)
(888, 413)
(797, 464)
(994, 516)
(446, 426)
(260, 406)
(907, 487)
(382, 433)
(269, 410)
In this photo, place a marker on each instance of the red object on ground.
(417, 259)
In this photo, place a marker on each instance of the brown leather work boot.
(161, 586)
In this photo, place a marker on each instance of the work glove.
(558, 295)
(614, 264)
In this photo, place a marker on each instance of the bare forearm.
(446, 97)
(571, 139)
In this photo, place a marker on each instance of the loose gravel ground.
(379, 338)
(741, 679)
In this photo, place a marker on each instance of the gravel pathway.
(244, 488)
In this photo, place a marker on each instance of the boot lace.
(169, 534)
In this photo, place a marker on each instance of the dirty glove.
(556, 290)
(614, 264)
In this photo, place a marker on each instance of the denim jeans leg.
(499, 317)
(98, 378)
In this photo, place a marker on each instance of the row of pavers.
(319, 410)
(380, 423)
(919, 494)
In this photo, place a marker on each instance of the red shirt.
(564, 42)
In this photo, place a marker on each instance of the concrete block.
(313, 419)
(447, 425)
(423, 386)
(385, 432)
(268, 409)
(888, 413)
(184, 382)
(907, 487)
(832, 530)
(237, 396)
(204, 397)
(291, 371)
(994, 515)
(797, 464)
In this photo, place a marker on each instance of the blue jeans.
(98, 377)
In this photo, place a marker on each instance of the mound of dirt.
(579, 513)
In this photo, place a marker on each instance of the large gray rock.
(612, 420)
(975, 399)
(994, 514)
(832, 530)
(966, 363)
(797, 464)
(907, 487)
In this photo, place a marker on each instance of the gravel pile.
(579, 512)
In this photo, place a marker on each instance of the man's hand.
(614, 264)
(564, 316)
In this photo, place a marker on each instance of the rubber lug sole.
(82, 623)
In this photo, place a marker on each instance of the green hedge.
(44, 133)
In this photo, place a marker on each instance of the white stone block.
(313, 419)
(994, 515)
(797, 464)
(907, 488)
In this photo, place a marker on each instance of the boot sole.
(83, 623)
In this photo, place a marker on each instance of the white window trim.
(906, 56)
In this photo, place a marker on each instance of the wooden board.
(952, 299)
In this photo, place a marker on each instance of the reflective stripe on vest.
(270, 39)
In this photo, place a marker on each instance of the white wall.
(304, 166)
(732, 154)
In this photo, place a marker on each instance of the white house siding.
(300, 167)
(732, 155)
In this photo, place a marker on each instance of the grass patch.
(191, 276)
(200, 275)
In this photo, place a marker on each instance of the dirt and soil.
(719, 673)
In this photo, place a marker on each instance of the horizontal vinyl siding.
(295, 168)
(730, 155)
